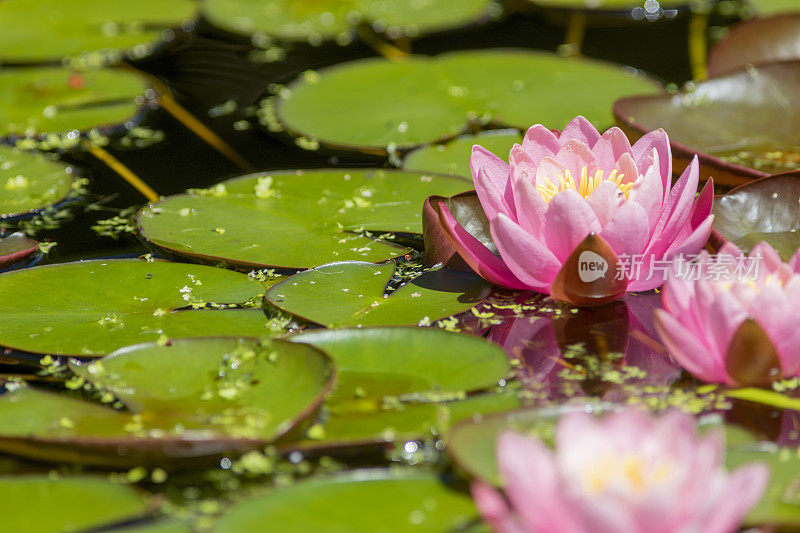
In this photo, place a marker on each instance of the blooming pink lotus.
(627, 472)
(736, 321)
(565, 195)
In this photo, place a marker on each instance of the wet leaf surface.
(740, 125)
(362, 501)
(452, 158)
(59, 100)
(50, 30)
(295, 219)
(382, 361)
(31, 181)
(353, 294)
(95, 307)
(765, 210)
(374, 104)
(756, 42)
(337, 19)
(193, 398)
(83, 503)
(15, 248)
(399, 383)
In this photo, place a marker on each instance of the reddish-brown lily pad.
(743, 126)
(15, 248)
(757, 42)
(764, 210)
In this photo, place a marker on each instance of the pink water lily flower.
(627, 472)
(579, 189)
(736, 319)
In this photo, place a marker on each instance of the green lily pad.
(375, 105)
(472, 444)
(166, 525)
(452, 158)
(40, 504)
(382, 373)
(742, 125)
(780, 506)
(297, 219)
(367, 421)
(408, 360)
(361, 501)
(772, 7)
(599, 5)
(92, 308)
(764, 210)
(193, 398)
(337, 19)
(49, 30)
(31, 181)
(45, 100)
(353, 294)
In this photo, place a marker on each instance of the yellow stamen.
(586, 185)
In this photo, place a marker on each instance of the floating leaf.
(764, 210)
(92, 308)
(755, 42)
(15, 248)
(371, 422)
(472, 444)
(31, 181)
(742, 126)
(41, 504)
(452, 158)
(59, 100)
(336, 19)
(403, 382)
(353, 294)
(49, 30)
(780, 505)
(297, 219)
(193, 398)
(361, 501)
(375, 105)
(769, 7)
(408, 360)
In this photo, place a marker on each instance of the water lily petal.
(531, 208)
(494, 510)
(743, 489)
(612, 144)
(648, 191)
(628, 232)
(528, 468)
(605, 200)
(540, 142)
(567, 222)
(529, 260)
(686, 350)
(581, 130)
(476, 255)
(491, 176)
(676, 210)
(642, 153)
(575, 156)
(694, 242)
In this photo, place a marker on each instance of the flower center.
(548, 188)
(630, 474)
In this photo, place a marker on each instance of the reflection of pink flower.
(559, 189)
(732, 327)
(626, 472)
